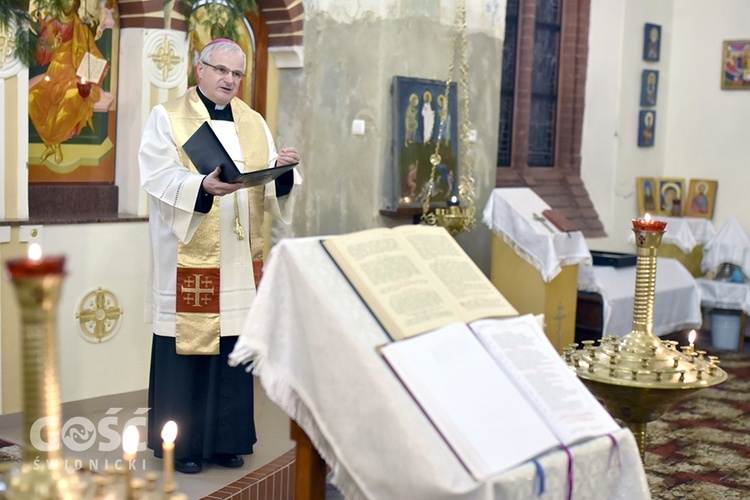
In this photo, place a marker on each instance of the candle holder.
(42, 473)
(639, 376)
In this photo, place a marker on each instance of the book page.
(526, 355)
(92, 68)
(466, 285)
(471, 402)
(385, 274)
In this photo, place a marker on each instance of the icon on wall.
(651, 42)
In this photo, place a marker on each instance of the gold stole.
(198, 327)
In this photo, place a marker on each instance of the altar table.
(314, 346)
(677, 298)
(534, 264)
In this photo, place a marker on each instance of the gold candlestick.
(637, 378)
(37, 282)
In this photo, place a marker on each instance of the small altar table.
(534, 265)
(677, 298)
(314, 346)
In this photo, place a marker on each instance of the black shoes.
(188, 466)
(229, 460)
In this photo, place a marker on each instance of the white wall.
(611, 158)
(115, 257)
(708, 127)
(700, 129)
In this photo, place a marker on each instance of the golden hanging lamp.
(460, 214)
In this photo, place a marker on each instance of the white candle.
(168, 435)
(691, 339)
(130, 440)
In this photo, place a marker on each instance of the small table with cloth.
(534, 264)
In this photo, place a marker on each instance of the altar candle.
(168, 435)
(691, 339)
(35, 265)
(648, 224)
(130, 440)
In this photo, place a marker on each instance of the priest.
(207, 245)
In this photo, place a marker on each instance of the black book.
(206, 152)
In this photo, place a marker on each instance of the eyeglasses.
(224, 71)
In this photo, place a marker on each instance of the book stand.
(314, 347)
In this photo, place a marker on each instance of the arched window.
(542, 102)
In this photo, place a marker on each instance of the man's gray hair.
(223, 47)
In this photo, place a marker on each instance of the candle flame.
(83, 80)
(130, 440)
(647, 217)
(169, 432)
(35, 252)
(691, 337)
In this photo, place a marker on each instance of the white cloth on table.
(677, 299)
(731, 244)
(724, 295)
(685, 233)
(314, 346)
(509, 214)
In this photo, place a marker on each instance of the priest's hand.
(287, 156)
(215, 186)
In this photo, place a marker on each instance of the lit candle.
(35, 265)
(168, 435)
(648, 224)
(130, 440)
(691, 339)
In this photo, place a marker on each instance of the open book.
(92, 68)
(416, 278)
(497, 391)
(207, 152)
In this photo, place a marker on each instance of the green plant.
(219, 17)
(220, 22)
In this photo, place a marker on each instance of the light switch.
(358, 127)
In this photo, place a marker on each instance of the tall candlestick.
(168, 435)
(37, 281)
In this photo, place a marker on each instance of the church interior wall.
(352, 51)
(351, 57)
(707, 127)
(698, 126)
(106, 256)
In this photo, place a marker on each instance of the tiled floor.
(272, 427)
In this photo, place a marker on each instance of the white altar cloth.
(509, 214)
(731, 244)
(685, 233)
(725, 295)
(314, 345)
(677, 299)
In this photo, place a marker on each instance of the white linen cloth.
(509, 214)
(677, 299)
(314, 346)
(731, 244)
(685, 233)
(724, 295)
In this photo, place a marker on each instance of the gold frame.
(701, 198)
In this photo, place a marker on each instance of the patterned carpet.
(700, 448)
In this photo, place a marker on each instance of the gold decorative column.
(42, 474)
(638, 377)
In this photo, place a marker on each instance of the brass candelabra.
(43, 472)
(639, 376)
